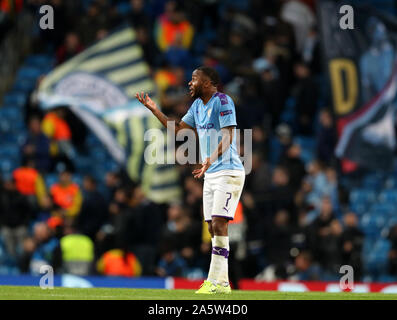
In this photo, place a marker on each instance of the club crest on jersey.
(209, 112)
(225, 113)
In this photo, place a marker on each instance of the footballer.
(221, 167)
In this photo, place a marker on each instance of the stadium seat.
(50, 179)
(7, 165)
(78, 179)
(9, 151)
(307, 143)
(364, 196)
(29, 73)
(24, 85)
(124, 8)
(388, 196)
(11, 114)
(372, 224)
(359, 208)
(382, 209)
(39, 61)
(15, 99)
(373, 181)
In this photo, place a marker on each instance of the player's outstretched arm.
(151, 105)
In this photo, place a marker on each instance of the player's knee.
(219, 226)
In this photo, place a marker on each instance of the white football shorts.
(221, 193)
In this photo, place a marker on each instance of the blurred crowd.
(292, 222)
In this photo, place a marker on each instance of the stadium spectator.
(149, 48)
(260, 179)
(295, 166)
(121, 263)
(106, 236)
(305, 268)
(176, 92)
(392, 237)
(178, 56)
(75, 253)
(352, 244)
(326, 137)
(193, 196)
(58, 131)
(41, 248)
(138, 16)
(70, 48)
(15, 214)
(278, 241)
(139, 228)
(171, 24)
(281, 195)
(66, 196)
(324, 237)
(93, 212)
(183, 234)
(306, 95)
(37, 146)
(29, 182)
(171, 264)
(90, 23)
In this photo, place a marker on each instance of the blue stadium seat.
(92, 141)
(372, 224)
(391, 183)
(276, 148)
(307, 156)
(305, 142)
(77, 179)
(7, 165)
(11, 151)
(15, 99)
(359, 208)
(124, 8)
(388, 196)
(98, 154)
(24, 85)
(50, 179)
(373, 181)
(385, 278)
(382, 209)
(29, 73)
(82, 163)
(392, 221)
(39, 61)
(366, 196)
(11, 113)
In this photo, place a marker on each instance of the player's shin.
(218, 273)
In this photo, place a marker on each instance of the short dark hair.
(210, 73)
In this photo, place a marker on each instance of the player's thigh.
(208, 201)
(227, 192)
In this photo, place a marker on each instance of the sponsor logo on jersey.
(225, 113)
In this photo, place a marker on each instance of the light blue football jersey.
(209, 119)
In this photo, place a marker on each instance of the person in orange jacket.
(118, 262)
(66, 195)
(30, 183)
(55, 127)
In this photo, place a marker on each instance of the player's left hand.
(198, 173)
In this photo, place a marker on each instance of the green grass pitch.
(36, 293)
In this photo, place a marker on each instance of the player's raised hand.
(146, 101)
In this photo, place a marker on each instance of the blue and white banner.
(99, 86)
